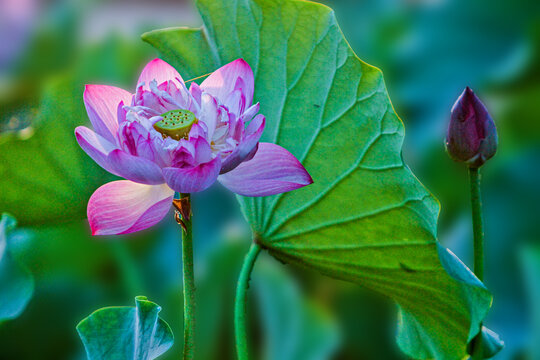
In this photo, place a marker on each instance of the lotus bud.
(472, 135)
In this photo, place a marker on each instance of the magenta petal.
(194, 179)
(272, 170)
(96, 146)
(160, 71)
(101, 103)
(122, 207)
(250, 112)
(196, 92)
(246, 147)
(209, 113)
(236, 102)
(203, 150)
(134, 168)
(236, 75)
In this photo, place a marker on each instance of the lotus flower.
(166, 138)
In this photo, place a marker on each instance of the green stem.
(478, 223)
(240, 302)
(189, 285)
(478, 233)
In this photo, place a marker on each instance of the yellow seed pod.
(176, 124)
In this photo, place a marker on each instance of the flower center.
(176, 124)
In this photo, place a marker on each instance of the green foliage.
(530, 258)
(515, 97)
(366, 219)
(16, 282)
(74, 274)
(215, 297)
(491, 343)
(367, 321)
(126, 332)
(294, 328)
(45, 175)
(291, 325)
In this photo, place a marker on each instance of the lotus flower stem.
(240, 302)
(188, 276)
(478, 235)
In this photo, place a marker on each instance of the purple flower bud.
(472, 135)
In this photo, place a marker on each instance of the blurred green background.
(429, 50)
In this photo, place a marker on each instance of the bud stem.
(478, 222)
(189, 282)
(478, 233)
(240, 302)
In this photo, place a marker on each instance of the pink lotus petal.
(160, 71)
(195, 91)
(101, 103)
(236, 102)
(184, 154)
(209, 113)
(197, 130)
(203, 150)
(194, 179)
(96, 146)
(134, 168)
(236, 75)
(246, 147)
(122, 207)
(250, 112)
(121, 113)
(272, 170)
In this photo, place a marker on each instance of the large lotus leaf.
(124, 332)
(16, 282)
(366, 219)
